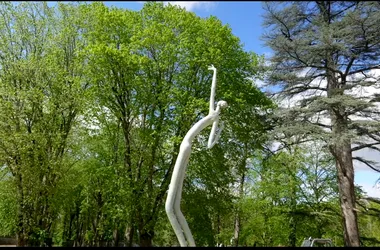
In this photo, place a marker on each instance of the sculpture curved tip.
(211, 67)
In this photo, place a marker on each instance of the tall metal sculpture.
(173, 200)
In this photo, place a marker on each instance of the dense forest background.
(94, 103)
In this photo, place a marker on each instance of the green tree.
(326, 50)
(292, 195)
(41, 95)
(149, 69)
(368, 220)
(8, 203)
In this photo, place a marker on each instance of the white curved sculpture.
(173, 200)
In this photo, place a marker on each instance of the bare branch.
(349, 65)
(370, 145)
(363, 70)
(299, 89)
(375, 200)
(366, 163)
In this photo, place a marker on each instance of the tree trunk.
(115, 236)
(146, 237)
(238, 212)
(20, 234)
(341, 150)
(129, 234)
(292, 239)
(236, 230)
(218, 241)
(345, 173)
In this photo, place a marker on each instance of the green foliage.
(94, 103)
(152, 71)
(107, 95)
(7, 204)
(368, 221)
(41, 94)
(292, 196)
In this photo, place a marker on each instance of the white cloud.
(267, 55)
(259, 83)
(192, 5)
(368, 154)
(370, 189)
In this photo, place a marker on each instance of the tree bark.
(292, 239)
(345, 175)
(236, 230)
(115, 237)
(238, 212)
(146, 238)
(21, 237)
(341, 150)
(129, 234)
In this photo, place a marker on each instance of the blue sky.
(245, 19)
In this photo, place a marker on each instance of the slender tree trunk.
(21, 236)
(146, 238)
(218, 229)
(115, 236)
(237, 230)
(238, 211)
(292, 239)
(46, 220)
(347, 197)
(293, 220)
(341, 150)
(129, 234)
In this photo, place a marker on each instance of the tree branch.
(349, 65)
(370, 145)
(366, 163)
(362, 70)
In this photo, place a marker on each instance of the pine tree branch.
(320, 67)
(363, 70)
(373, 136)
(361, 205)
(366, 163)
(285, 145)
(365, 131)
(373, 199)
(370, 145)
(322, 125)
(343, 10)
(300, 89)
